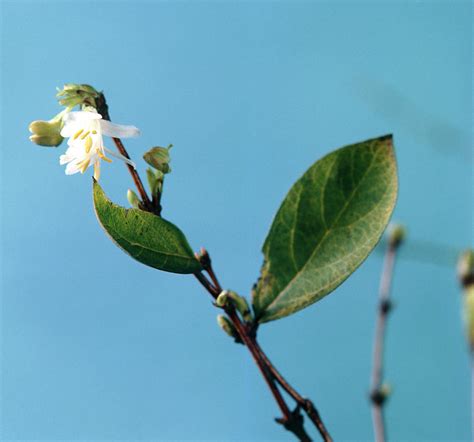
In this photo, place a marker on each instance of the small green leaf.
(133, 199)
(148, 238)
(155, 180)
(329, 222)
(159, 158)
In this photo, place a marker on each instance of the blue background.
(96, 346)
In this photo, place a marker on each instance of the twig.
(472, 396)
(306, 404)
(103, 110)
(377, 395)
(215, 291)
(292, 421)
(466, 278)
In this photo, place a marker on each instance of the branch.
(304, 403)
(377, 395)
(243, 333)
(103, 110)
(292, 421)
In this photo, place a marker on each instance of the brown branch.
(377, 395)
(292, 421)
(306, 404)
(240, 327)
(103, 110)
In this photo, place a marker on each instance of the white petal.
(118, 130)
(75, 151)
(120, 157)
(81, 116)
(63, 159)
(70, 128)
(72, 168)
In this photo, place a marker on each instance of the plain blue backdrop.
(96, 346)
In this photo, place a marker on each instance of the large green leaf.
(146, 237)
(327, 225)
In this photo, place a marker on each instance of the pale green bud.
(241, 305)
(51, 141)
(133, 199)
(222, 299)
(468, 313)
(379, 396)
(85, 88)
(45, 128)
(466, 278)
(228, 327)
(72, 95)
(159, 158)
(396, 235)
(466, 267)
(46, 133)
(386, 390)
(155, 181)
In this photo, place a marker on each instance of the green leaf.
(148, 238)
(329, 222)
(155, 180)
(159, 158)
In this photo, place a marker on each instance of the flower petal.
(70, 128)
(72, 168)
(63, 159)
(118, 130)
(120, 157)
(82, 116)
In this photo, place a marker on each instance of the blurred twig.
(385, 100)
(378, 392)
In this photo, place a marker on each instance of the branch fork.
(292, 421)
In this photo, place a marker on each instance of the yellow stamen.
(94, 132)
(76, 135)
(88, 144)
(85, 135)
(97, 170)
(83, 165)
(103, 157)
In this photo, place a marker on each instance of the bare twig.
(377, 395)
(103, 110)
(241, 329)
(466, 279)
(306, 404)
(292, 421)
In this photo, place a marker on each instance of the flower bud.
(468, 313)
(46, 133)
(45, 128)
(396, 235)
(466, 278)
(380, 395)
(133, 199)
(155, 181)
(159, 158)
(228, 327)
(222, 299)
(386, 390)
(241, 305)
(72, 95)
(466, 268)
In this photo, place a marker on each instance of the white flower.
(86, 146)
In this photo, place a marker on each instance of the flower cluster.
(86, 144)
(84, 128)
